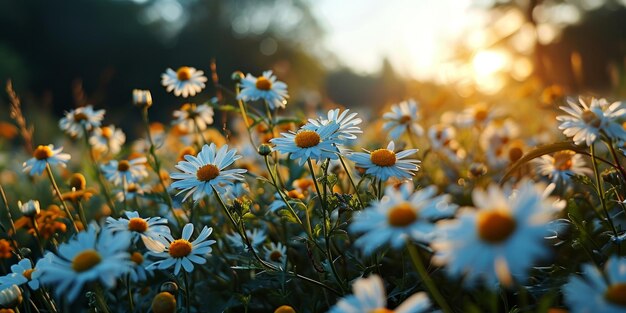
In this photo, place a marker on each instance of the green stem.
(600, 191)
(129, 290)
(279, 191)
(37, 234)
(430, 284)
(100, 299)
(100, 178)
(187, 293)
(356, 190)
(58, 192)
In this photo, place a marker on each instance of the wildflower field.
(246, 200)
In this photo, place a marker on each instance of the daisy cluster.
(469, 210)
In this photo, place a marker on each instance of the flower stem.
(187, 293)
(600, 191)
(129, 290)
(280, 192)
(356, 190)
(100, 299)
(430, 284)
(100, 179)
(58, 192)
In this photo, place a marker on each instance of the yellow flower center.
(591, 118)
(77, 181)
(137, 224)
(481, 115)
(107, 132)
(402, 215)
(616, 294)
(495, 226)
(180, 248)
(284, 309)
(183, 73)
(132, 188)
(276, 256)
(307, 139)
(86, 260)
(263, 83)
(164, 302)
(42, 152)
(381, 310)
(28, 273)
(515, 154)
(78, 117)
(137, 258)
(207, 172)
(405, 119)
(563, 160)
(123, 166)
(383, 157)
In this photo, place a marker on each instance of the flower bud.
(170, 287)
(284, 309)
(477, 169)
(10, 297)
(142, 98)
(164, 302)
(30, 208)
(77, 181)
(265, 149)
(237, 76)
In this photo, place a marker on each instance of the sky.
(415, 35)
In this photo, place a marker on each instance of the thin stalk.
(129, 290)
(618, 165)
(430, 284)
(279, 191)
(244, 115)
(600, 191)
(8, 210)
(100, 299)
(124, 189)
(187, 293)
(100, 178)
(356, 190)
(37, 234)
(58, 192)
(81, 212)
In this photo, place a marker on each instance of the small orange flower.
(5, 249)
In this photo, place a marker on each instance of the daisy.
(10, 297)
(478, 115)
(256, 237)
(586, 122)
(132, 190)
(400, 216)
(191, 116)
(78, 120)
(139, 271)
(276, 254)
(45, 155)
(142, 98)
(136, 226)
(21, 273)
(369, 296)
(561, 166)
(186, 81)
(440, 136)
(90, 256)
(31, 208)
(385, 163)
(597, 291)
(501, 238)
(202, 173)
(264, 87)
(318, 144)
(181, 252)
(125, 171)
(402, 118)
(348, 124)
(107, 139)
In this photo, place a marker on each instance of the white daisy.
(136, 226)
(181, 252)
(440, 136)
(256, 237)
(202, 173)
(186, 81)
(318, 144)
(21, 273)
(11, 296)
(399, 216)
(348, 124)
(78, 120)
(276, 254)
(107, 139)
(30, 208)
(90, 256)
(402, 118)
(596, 291)
(132, 190)
(45, 155)
(370, 296)
(385, 163)
(501, 238)
(130, 170)
(191, 116)
(586, 122)
(478, 115)
(264, 87)
(561, 166)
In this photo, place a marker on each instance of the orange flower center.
(123, 166)
(180, 248)
(383, 157)
(42, 152)
(515, 154)
(276, 256)
(402, 215)
(86, 260)
(132, 188)
(295, 194)
(405, 119)
(481, 115)
(137, 224)
(284, 309)
(164, 302)
(307, 139)
(495, 226)
(28, 273)
(591, 118)
(183, 73)
(263, 83)
(616, 294)
(381, 310)
(107, 132)
(207, 172)
(137, 258)
(78, 117)
(78, 182)
(563, 160)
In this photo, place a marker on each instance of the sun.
(489, 62)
